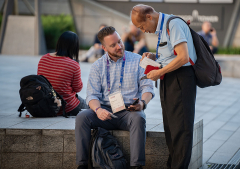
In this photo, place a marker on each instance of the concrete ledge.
(55, 148)
(229, 65)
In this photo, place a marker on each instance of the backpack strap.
(21, 109)
(58, 95)
(93, 138)
(63, 104)
(167, 27)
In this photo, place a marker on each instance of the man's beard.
(116, 55)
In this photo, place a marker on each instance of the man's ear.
(104, 48)
(149, 16)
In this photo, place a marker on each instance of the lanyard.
(159, 35)
(108, 74)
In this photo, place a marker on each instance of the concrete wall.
(90, 15)
(236, 40)
(48, 7)
(229, 65)
(19, 38)
(190, 10)
(36, 148)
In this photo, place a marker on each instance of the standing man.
(178, 87)
(113, 84)
(209, 34)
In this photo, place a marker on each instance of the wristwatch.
(144, 104)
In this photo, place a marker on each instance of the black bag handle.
(174, 17)
(21, 109)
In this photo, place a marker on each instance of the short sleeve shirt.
(179, 32)
(207, 37)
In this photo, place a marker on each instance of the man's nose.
(119, 46)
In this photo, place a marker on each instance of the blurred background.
(19, 18)
(31, 28)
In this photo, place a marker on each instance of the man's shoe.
(137, 167)
(82, 167)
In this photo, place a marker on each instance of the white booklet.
(146, 61)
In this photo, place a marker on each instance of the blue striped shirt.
(131, 87)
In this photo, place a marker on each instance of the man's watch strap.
(144, 104)
(97, 109)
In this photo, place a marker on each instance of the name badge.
(116, 101)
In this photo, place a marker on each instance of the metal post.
(16, 7)
(8, 9)
(70, 2)
(40, 45)
(28, 5)
(232, 24)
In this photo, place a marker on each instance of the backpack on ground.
(104, 151)
(39, 98)
(206, 68)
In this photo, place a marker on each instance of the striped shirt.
(65, 76)
(131, 86)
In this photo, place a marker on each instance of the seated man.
(115, 77)
(95, 50)
(135, 40)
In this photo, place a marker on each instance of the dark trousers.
(178, 95)
(134, 122)
(81, 105)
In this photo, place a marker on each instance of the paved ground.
(219, 107)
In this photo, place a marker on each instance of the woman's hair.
(68, 45)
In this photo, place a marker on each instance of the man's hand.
(103, 114)
(149, 55)
(213, 32)
(136, 107)
(154, 75)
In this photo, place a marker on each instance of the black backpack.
(104, 151)
(206, 68)
(39, 98)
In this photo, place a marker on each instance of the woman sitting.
(63, 71)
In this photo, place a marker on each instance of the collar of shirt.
(159, 23)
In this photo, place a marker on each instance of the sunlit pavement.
(219, 107)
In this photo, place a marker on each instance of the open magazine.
(146, 61)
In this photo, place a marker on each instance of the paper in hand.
(146, 61)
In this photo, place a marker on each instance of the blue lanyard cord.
(108, 74)
(159, 35)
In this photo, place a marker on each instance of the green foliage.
(230, 50)
(84, 47)
(54, 26)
